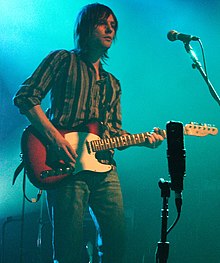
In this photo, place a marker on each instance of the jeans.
(67, 205)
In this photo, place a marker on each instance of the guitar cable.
(39, 194)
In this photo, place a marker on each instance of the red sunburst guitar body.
(45, 170)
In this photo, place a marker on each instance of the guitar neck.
(118, 141)
(192, 129)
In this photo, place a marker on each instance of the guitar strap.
(18, 170)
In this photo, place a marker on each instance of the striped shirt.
(76, 96)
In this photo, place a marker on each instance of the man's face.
(103, 34)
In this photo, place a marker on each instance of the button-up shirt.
(77, 97)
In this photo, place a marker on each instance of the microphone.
(173, 35)
(176, 158)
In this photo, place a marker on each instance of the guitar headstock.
(200, 130)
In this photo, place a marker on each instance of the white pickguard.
(85, 160)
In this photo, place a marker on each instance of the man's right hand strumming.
(59, 144)
(63, 149)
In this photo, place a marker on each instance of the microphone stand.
(176, 167)
(197, 64)
(163, 246)
(39, 236)
(22, 231)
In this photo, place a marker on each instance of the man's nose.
(108, 29)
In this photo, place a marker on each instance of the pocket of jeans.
(112, 176)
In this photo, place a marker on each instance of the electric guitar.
(45, 171)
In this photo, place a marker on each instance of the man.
(84, 97)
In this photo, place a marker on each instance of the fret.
(101, 145)
(143, 137)
(118, 141)
(97, 145)
(113, 142)
(107, 143)
(147, 134)
(138, 138)
(131, 140)
(93, 146)
(128, 139)
(121, 141)
(124, 141)
(135, 138)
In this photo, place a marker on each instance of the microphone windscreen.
(171, 35)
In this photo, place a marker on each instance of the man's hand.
(64, 150)
(58, 143)
(155, 138)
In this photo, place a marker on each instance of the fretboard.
(118, 142)
(192, 129)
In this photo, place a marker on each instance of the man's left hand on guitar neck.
(155, 138)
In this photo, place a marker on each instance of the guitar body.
(43, 167)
